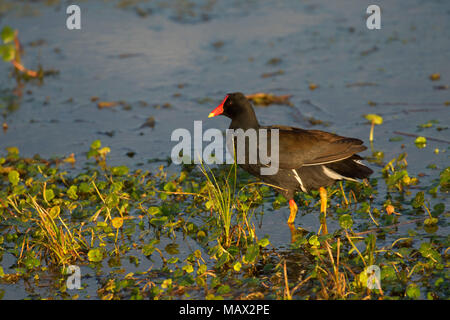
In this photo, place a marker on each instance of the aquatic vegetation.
(421, 142)
(435, 77)
(11, 52)
(110, 216)
(221, 200)
(266, 99)
(374, 120)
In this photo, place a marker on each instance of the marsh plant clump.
(194, 233)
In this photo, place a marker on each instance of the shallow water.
(191, 56)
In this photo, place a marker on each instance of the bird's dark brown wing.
(299, 147)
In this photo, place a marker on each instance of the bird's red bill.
(219, 109)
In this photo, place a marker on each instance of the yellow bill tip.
(211, 115)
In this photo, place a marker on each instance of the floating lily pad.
(418, 200)
(13, 177)
(7, 52)
(95, 255)
(374, 118)
(7, 34)
(346, 221)
(421, 142)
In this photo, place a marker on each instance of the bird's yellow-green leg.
(323, 209)
(293, 208)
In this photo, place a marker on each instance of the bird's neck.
(245, 120)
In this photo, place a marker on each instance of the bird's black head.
(236, 107)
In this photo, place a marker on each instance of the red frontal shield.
(219, 109)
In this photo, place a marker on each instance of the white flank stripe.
(334, 175)
(299, 181)
(325, 162)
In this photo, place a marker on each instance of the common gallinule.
(308, 159)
